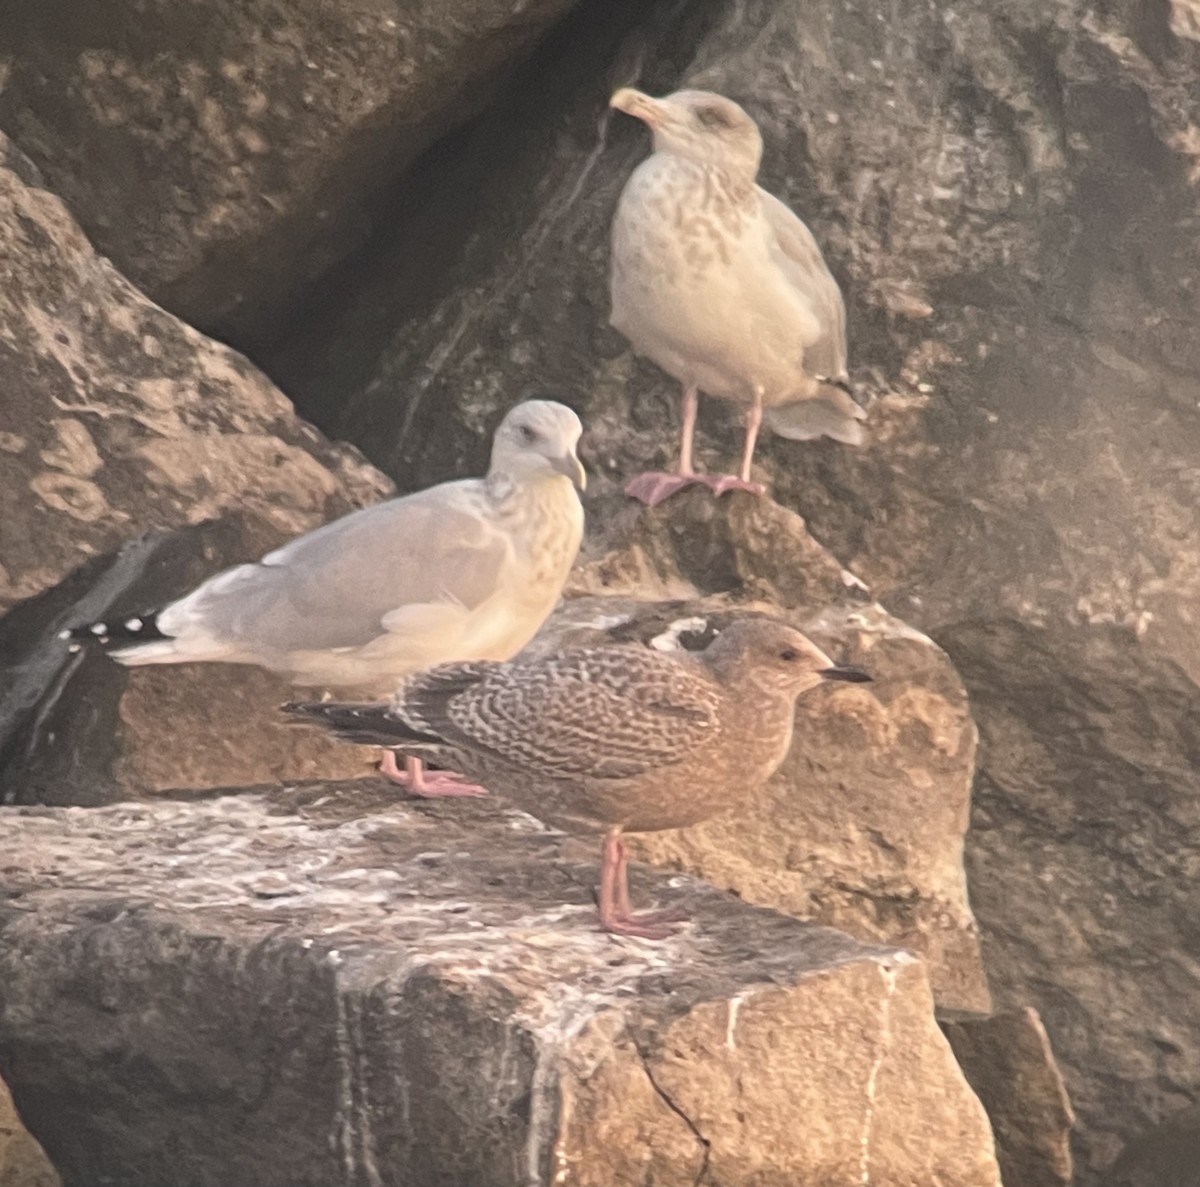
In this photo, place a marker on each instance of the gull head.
(537, 440)
(775, 657)
(699, 126)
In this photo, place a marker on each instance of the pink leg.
(654, 486)
(720, 483)
(616, 914)
(426, 784)
(754, 419)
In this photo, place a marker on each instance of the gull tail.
(831, 413)
(130, 641)
(367, 723)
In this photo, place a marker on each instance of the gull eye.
(528, 435)
(788, 655)
(712, 117)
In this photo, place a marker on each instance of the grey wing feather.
(798, 254)
(832, 413)
(332, 587)
(608, 713)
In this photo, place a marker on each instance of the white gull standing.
(467, 570)
(722, 286)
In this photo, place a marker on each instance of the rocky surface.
(1082, 862)
(226, 154)
(118, 420)
(1009, 198)
(1008, 1062)
(1168, 1155)
(352, 991)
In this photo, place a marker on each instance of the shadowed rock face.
(225, 155)
(118, 420)
(1008, 1062)
(354, 991)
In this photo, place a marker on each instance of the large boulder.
(350, 991)
(1008, 196)
(119, 420)
(227, 154)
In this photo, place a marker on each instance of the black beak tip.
(848, 672)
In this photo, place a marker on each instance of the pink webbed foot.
(720, 483)
(654, 486)
(647, 926)
(426, 785)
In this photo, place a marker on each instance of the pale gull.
(722, 286)
(608, 739)
(467, 570)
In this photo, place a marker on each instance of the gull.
(467, 570)
(722, 286)
(610, 739)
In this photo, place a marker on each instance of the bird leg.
(754, 419)
(423, 783)
(653, 487)
(720, 483)
(616, 912)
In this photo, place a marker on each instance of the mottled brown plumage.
(608, 739)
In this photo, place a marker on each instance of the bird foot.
(645, 926)
(720, 483)
(428, 785)
(654, 487)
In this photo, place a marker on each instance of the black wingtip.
(137, 628)
(848, 672)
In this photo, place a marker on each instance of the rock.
(1168, 1155)
(117, 420)
(23, 1163)
(225, 156)
(1009, 199)
(1082, 859)
(1008, 1062)
(351, 990)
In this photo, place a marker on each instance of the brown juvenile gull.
(467, 570)
(608, 739)
(722, 286)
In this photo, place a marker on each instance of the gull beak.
(640, 106)
(847, 672)
(569, 466)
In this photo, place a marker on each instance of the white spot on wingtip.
(98, 628)
(669, 639)
(334, 957)
(134, 624)
(65, 633)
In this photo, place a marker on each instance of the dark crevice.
(705, 1144)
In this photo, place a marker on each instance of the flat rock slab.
(325, 985)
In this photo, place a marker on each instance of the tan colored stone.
(417, 994)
